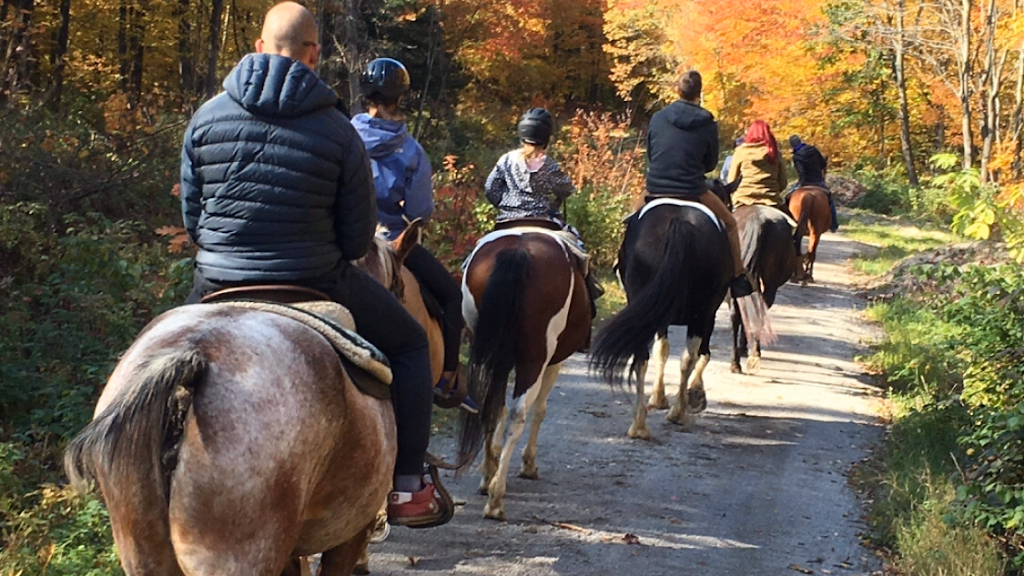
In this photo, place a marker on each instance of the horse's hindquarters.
(279, 453)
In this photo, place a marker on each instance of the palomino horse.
(769, 248)
(675, 266)
(230, 442)
(809, 206)
(526, 304)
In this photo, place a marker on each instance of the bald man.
(276, 188)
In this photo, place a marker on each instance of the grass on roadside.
(893, 238)
(917, 467)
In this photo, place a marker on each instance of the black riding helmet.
(384, 80)
(535, 126)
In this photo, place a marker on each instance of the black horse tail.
(135, 440)
(492, 351)
(632, 330)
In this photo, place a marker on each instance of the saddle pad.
(677, 202)
(334, 322)
(565, 238)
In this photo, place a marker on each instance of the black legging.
(439, 282)
(384, 322)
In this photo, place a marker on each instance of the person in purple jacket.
(401, 177)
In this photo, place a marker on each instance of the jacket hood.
(752, 152)
(274, 85)
(381, 137)
(687, 115)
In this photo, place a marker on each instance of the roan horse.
(675, 266)
(769, 248)
(809, 206)
(525, 302)
(230, 442)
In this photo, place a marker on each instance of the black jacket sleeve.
(355, 209)
(711, 155)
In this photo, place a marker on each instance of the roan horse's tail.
(138, 434)
(492, 351)
(805, 203)
(632, 330)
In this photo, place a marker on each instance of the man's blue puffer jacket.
(275, 183)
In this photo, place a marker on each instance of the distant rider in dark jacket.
(276, 188)
(810, 170)
(682, 146)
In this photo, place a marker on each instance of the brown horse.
(230, 442)
(770, 251)
(809, 206)
(525, 301)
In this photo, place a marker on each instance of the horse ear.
(407, 239)
(732, 186)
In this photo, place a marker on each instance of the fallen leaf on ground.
(413, 561)
(800, 569)
(631, 539)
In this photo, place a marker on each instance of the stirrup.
(740, 286)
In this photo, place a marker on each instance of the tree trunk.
(899, 52)
(122, 43)
(434, 52)
(212, 57)
(186, 66)
(1018, 117)
(60, 52)
(964, 64)
(15, 65)
(137, 51)
(352, 62)
(992, 84)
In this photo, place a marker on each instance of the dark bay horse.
(526, 304)
(675, 266)
(230, 442)
(769, 248)
(809, 206)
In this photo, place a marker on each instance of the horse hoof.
(640, 433)
(483, 488)
(494, 513)
(696, 399)
(361, 569)
(380, 534)
(754, 364)
(735, 368)
(677, 416)
(529, 473)
(659, 404)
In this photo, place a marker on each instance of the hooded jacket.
(762, 180)
(682, 146)
(401, 172)
(275, 183)
(809, 164)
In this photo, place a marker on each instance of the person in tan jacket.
(758, 162)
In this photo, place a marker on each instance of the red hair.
(760, 133)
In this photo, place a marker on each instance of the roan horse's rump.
(228, 442)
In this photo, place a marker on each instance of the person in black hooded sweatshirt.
(682, 146)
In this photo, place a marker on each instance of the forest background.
(921, 101)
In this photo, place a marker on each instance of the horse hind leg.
(639, 430)
(496, 489)
(492, 450)
(812, 254)
(540, 410)
(680, 410)
(342, 560)
(660, 354)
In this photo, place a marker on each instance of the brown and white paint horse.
(525, 301)
(230, 442)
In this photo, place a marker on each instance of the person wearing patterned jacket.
(527, 184)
